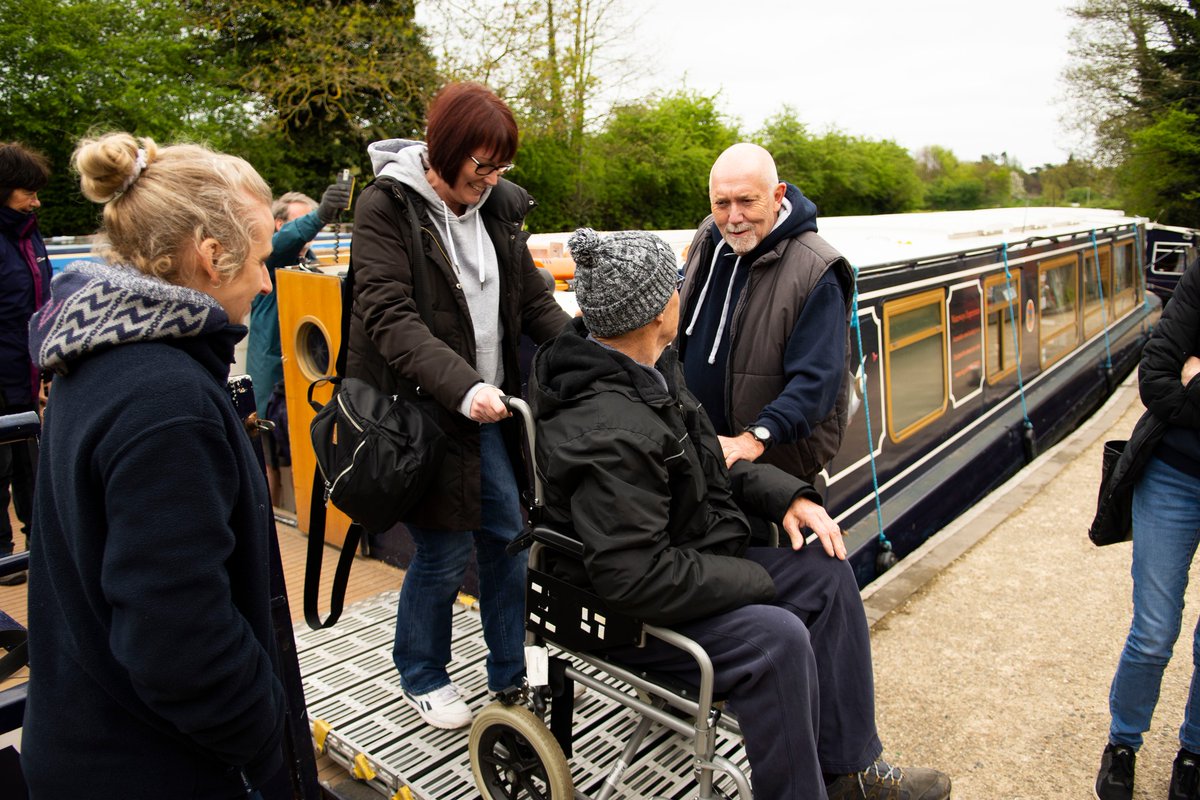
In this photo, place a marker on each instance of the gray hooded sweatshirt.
(467, 244)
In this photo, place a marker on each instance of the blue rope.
(862, 388)
(1140, 261)
(1012, 323)
(1103, 309)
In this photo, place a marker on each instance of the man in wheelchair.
(636, 473)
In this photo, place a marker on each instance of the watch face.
(761, 433)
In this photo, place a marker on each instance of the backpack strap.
(312, 567)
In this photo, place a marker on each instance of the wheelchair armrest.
(558, 541)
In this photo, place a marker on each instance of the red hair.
(463, 118)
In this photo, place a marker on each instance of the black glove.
(333, 202)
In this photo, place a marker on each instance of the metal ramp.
(362, 722)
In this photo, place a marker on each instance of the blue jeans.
(1166, 530)
(431, 583)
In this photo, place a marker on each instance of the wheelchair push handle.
(520, 409)
(19, 427)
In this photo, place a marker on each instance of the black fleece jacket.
(636, 472)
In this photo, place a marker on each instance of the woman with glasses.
(482, 292)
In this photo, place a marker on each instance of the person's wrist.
(760, 434)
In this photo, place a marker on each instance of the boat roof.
(881, 239)
(884, 239)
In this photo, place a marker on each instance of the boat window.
(1058, 300)
(1169, 257)
(914, 335)
(1124, 280)
(1093, 300)
(1002, 342)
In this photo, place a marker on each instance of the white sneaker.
(442, 708)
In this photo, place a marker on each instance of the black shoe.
(1185, 777)
(882, 781)
(1115, 780)
(15, 578)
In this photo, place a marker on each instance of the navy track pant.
(797, 672)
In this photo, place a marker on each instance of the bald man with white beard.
(764, 332)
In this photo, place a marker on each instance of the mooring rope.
(1103, 309)
(862, 380)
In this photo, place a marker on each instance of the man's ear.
(778, 194)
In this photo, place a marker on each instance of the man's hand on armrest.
(804, 513)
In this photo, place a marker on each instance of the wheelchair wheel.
(514, 755)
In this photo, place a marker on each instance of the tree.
(1136, 66)
(652, 160)
(546, 59)
(842, 174)
(72, 67)
(325, 79)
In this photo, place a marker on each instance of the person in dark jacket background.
(634, 469)
(298, 220)
(24, 287)
(764, 333)
(1166, 531)
(484, 292)
(151, 649)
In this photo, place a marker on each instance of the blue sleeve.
(814, 363)
(289, 240)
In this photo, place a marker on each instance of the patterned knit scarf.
(96, 306)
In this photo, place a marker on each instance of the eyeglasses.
(484, 168)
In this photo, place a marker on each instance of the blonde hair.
(158, 201)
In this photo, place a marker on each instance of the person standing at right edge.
(484, 292)
(1166, 530)
(24, 288)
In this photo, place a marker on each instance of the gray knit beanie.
(622, 280)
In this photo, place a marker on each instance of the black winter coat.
(151, 647)
(1168, 403)
(636, 472)
(392, 348)
(23, 290)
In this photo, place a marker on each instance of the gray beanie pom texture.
(622, 280)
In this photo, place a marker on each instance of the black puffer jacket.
(1170, 428)
(393, 349)
(637, 473)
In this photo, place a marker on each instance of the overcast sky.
(976, 77)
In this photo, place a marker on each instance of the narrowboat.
(980, 338)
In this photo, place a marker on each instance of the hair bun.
(107, 165)
(583, 245)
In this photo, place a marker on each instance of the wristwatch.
(760, 434)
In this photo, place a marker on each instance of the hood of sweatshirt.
(570, 368)
(94, 307)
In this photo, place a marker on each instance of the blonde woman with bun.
(151, 666)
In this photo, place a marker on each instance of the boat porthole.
(312, 348)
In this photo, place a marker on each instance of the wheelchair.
(515, 753)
